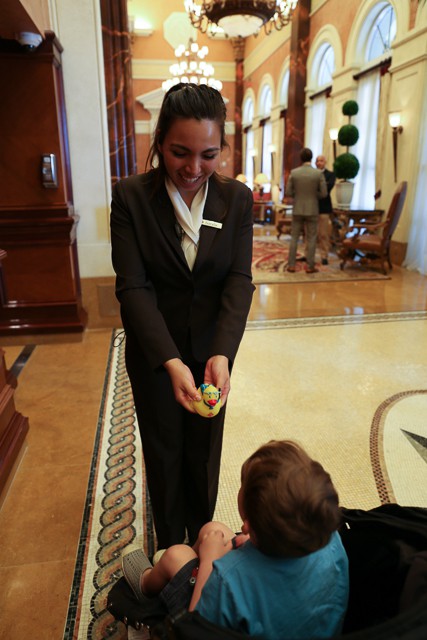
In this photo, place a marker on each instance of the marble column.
(239, 53)
(295, 113)
(118, 87)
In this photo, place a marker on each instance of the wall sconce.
(333, 134)
(394, 120)
(272, 149)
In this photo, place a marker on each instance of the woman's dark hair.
(186, 100)
(289, 500)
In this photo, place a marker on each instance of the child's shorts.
(177, 593)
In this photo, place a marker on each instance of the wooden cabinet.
(40, 288)
(13, 426)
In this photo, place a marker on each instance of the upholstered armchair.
(372, 241)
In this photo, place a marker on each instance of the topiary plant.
(346, 165)
(348, 135)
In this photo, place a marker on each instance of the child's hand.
(240, 539)
(213, 546)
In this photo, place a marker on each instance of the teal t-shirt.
(273, 598)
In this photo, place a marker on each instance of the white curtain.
(266, 153)
(383, 129)
(416, 254)
(327, 148)
(280, 170)
(365, 150)
(249, 161)
(317, 125)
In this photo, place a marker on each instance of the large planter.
(344, 194)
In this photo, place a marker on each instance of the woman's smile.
(191, 152)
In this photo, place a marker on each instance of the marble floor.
(60, 386)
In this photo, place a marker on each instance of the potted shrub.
(346, 165)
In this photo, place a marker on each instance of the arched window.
(322, 70)
(375, 40)
(324, 65)
(283, 90)
(283, 102)
(382, 33)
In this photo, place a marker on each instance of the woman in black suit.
(182, 250)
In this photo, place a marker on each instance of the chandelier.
(191, 67)
(240, 18)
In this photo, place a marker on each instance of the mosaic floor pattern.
(329, 383)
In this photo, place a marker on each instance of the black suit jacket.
(325, 204)
(164, 304)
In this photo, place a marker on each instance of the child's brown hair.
(288, 499)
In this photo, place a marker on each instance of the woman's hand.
(184, 389)
(217, 373)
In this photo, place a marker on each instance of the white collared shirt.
(189, 219)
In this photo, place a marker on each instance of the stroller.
(387, 551)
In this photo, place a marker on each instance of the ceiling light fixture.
(240, 18)
(191, 67)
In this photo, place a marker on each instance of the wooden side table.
(282, 219)
(263, 211)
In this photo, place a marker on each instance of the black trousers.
(182, 451)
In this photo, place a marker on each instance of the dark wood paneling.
(29, 124)
(15, 18)
(39, 279)
(13, 426)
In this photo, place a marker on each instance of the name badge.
(212, 223)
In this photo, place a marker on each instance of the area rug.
(270, 261)
(328, 383)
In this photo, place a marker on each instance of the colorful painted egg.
(210, 404)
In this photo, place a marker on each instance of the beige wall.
(78, 27)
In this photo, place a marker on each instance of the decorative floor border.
(376, 445)
(116, 511)
(323, 321)
(74, 602)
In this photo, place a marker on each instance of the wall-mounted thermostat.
(49, 174)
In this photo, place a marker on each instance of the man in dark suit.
(325, 210)
(306, 186)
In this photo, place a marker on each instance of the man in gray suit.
(306, 186)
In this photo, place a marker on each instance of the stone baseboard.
(100, 302)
